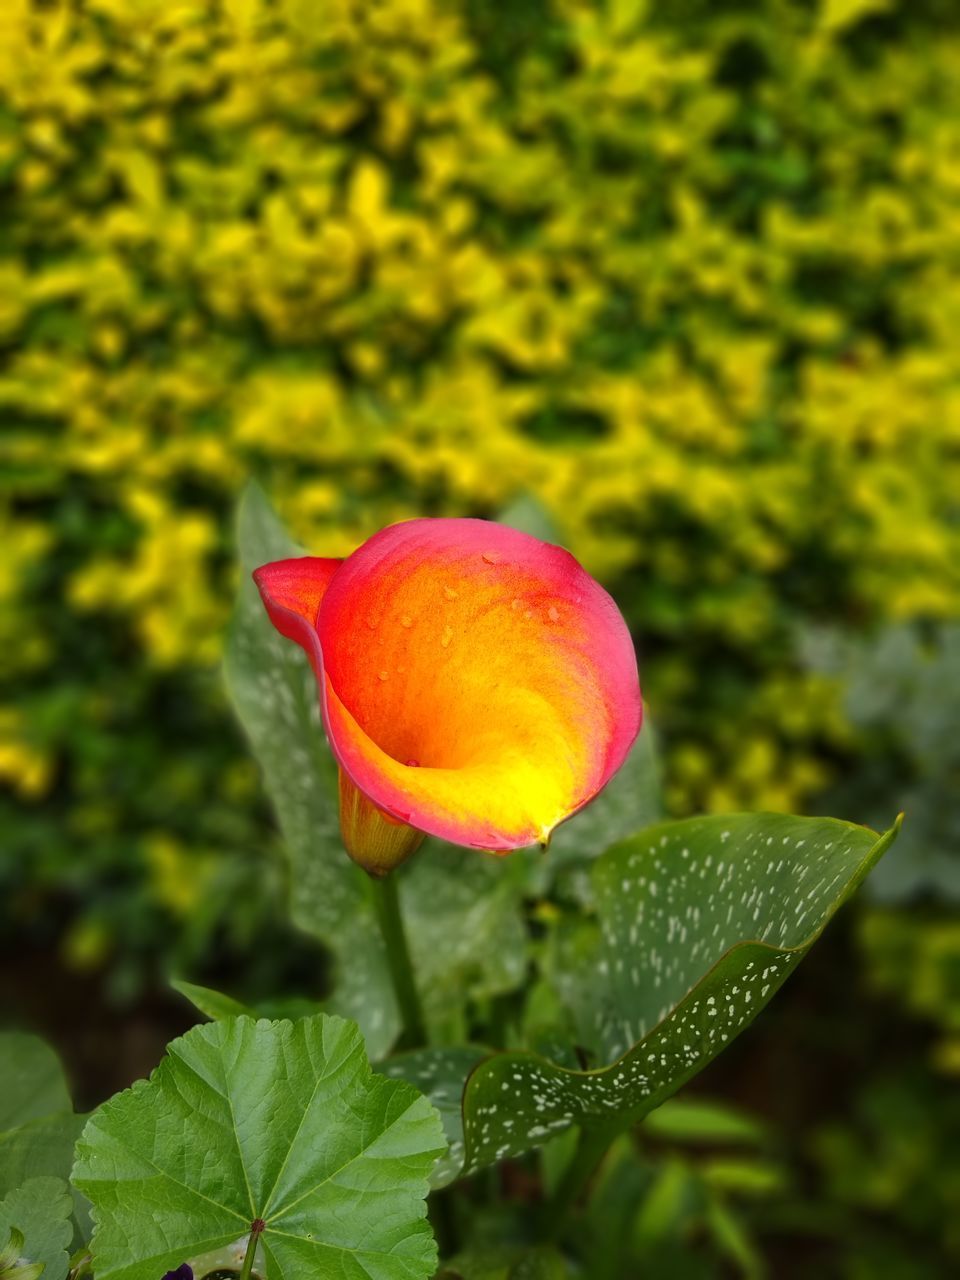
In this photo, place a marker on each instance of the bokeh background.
(687, 276)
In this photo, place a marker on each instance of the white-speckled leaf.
(281, 1121)
(700, 923)
(465, 926)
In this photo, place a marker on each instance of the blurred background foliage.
(689, 274)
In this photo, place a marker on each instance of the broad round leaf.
(282, 1121)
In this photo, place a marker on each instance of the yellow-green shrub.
(688, 273)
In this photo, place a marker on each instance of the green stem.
(256, 1228)
(386, 903)
(591, 1148)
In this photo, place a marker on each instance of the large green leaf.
(282, 1121)
(699, 923)
(39, 1213)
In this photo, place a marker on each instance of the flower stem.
(256, 1228)
(386, 903)
(591, 1148)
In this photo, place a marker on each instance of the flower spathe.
(476, 683)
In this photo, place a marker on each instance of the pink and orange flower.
(476, 683)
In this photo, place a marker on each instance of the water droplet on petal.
(528, 613)
(516, 603)
(406, 620)
(412, 764)
(447, 636)
(450, 593)
(492, 557)
(384, 675)
(553, 613)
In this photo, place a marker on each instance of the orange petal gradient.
(476, 683)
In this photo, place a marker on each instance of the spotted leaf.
(698, 923)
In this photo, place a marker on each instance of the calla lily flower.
(476, 684)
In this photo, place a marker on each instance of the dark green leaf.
(698, 1121)
(40, 1212)
(213, 1004)
(35, 1102)
(32, 1081)
(280, 1121)
(464, 923)
(543, 1263)
(42, 1147)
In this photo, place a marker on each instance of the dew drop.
(447, 636)
(384, 675)
(528, 613)
(516, 603)
(492, 557)
(553, 613)
(412, 764)
(450, 593)
(406, 621)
